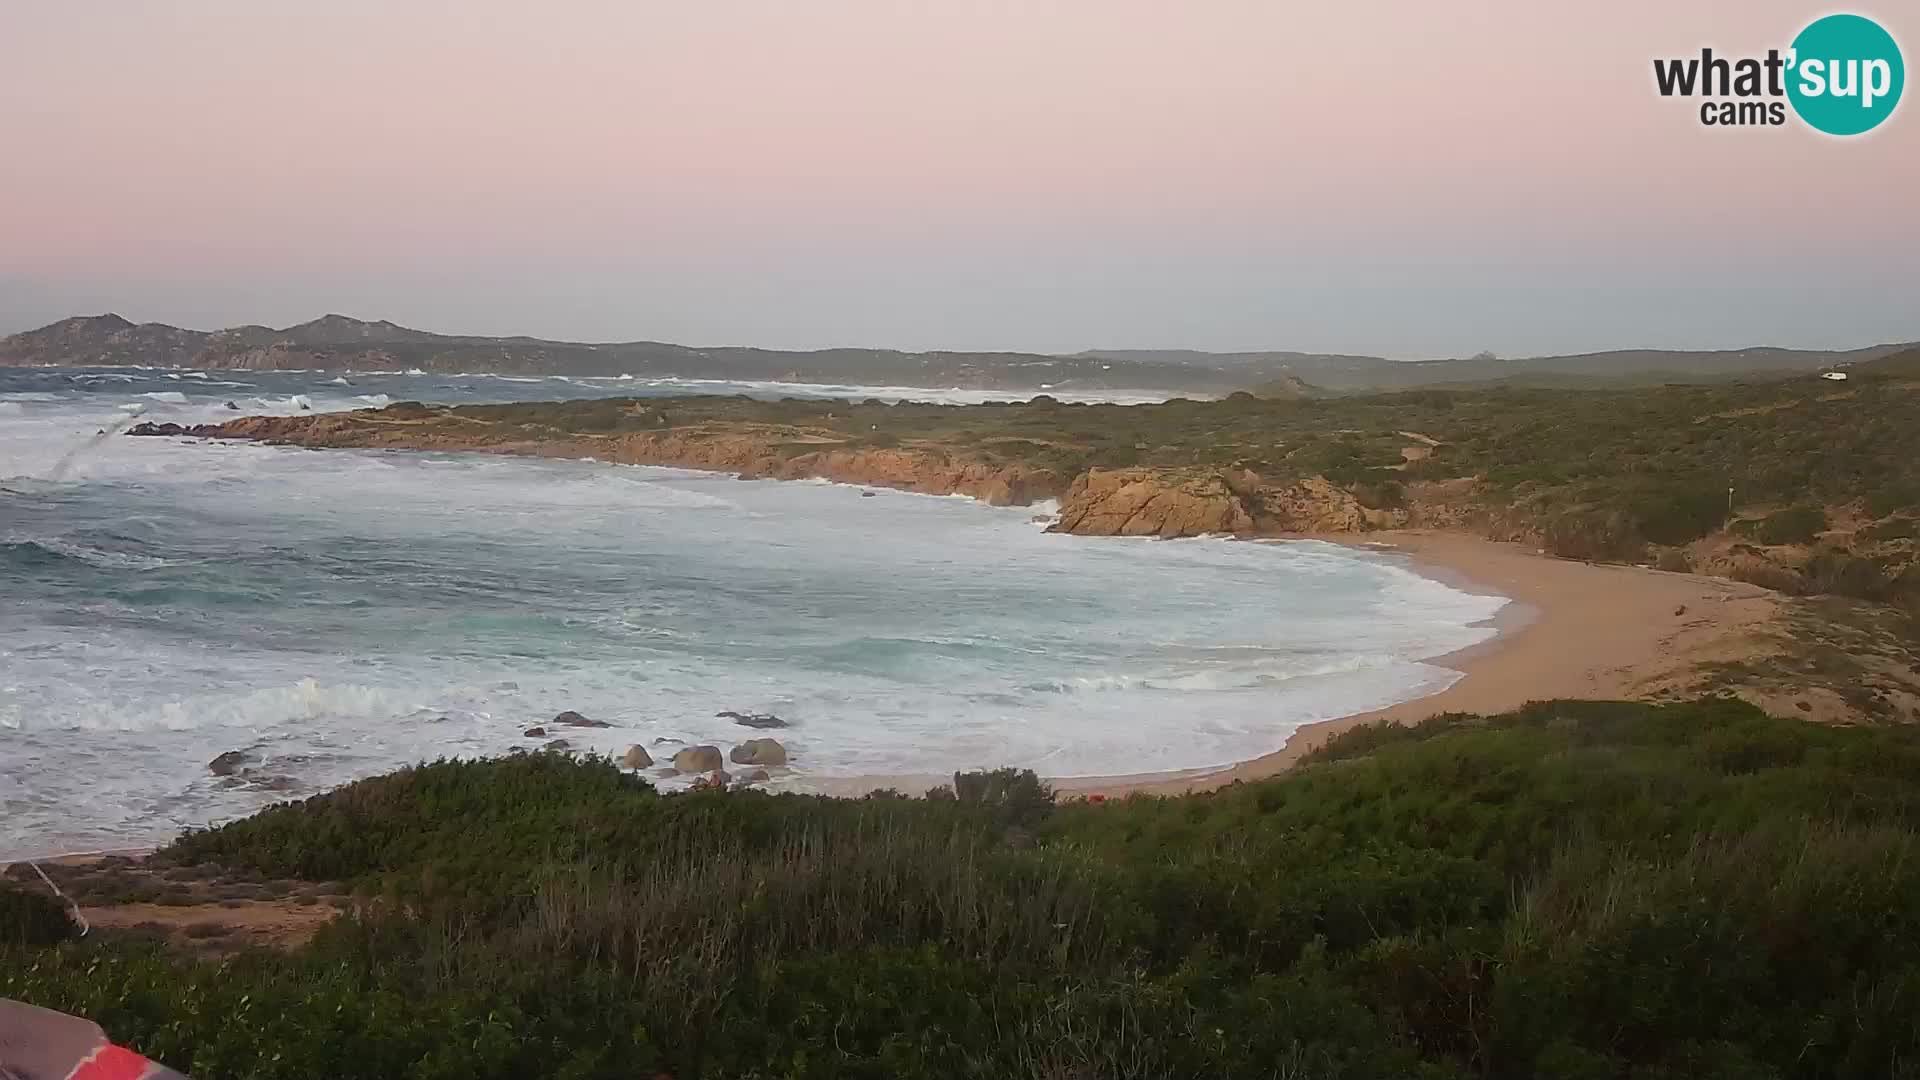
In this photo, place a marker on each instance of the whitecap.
(93, 556)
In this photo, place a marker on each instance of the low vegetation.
(1574, 889)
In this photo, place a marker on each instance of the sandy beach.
(1574, 629)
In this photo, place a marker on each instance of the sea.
(334, 614)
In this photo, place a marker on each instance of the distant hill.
(1905, 362)
(342, 342)
(1284, 388)
(1620, 367)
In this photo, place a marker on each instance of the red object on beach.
(41, 1043)
(1096, 798)
(112, 1062)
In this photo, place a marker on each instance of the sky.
(1393, 177)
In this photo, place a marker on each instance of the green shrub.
(1894, 529)
(1799, 525)
(1844, 574)
(1572, 888)
(31, 917)
(1678, 513)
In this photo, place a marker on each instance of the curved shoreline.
(1570, 629)
(1587, 630)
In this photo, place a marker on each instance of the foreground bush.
(1573, 889)
(28, 917)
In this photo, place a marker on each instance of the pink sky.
(1407, 178)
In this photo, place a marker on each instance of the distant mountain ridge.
(343, 342)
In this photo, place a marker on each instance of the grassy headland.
(1805, 484)
(1579, 889)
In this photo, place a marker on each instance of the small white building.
(1836, 376)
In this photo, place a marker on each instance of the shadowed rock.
(231, 762)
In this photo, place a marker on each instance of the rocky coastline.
(1156, 502)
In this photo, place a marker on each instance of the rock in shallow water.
(230, 762)
(574, 719)
(759, 752)
(753, 719)
(698, 759)
(636, 757)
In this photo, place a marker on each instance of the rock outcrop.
(574, 719)
(1142, 502)
(758, 752)
(1314, 505)
(636, 757)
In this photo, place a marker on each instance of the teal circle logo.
(1845, 74)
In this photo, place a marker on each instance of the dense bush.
(1796, 525)
(1573, 889)
(1676, 513)
(1021, 796)
(30, 917)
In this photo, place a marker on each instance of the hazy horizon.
(1386, 179)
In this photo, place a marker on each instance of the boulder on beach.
(752, 719)
(715, 781)
(574, 719)
(759, 752)
(698, 759)
(757, 776)
(636, 757)
(230, 762)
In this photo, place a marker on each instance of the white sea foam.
(343, 613)
(170, 397)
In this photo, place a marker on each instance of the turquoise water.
(337, 613)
